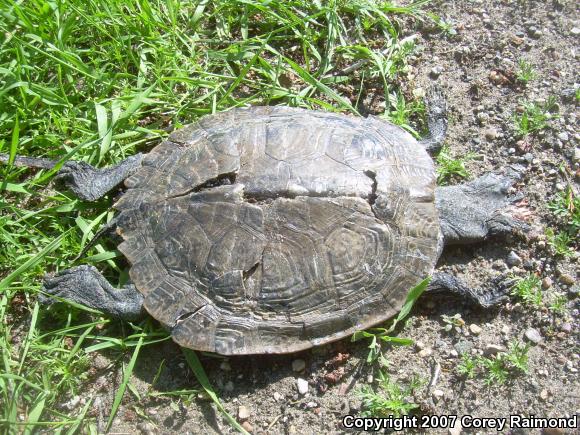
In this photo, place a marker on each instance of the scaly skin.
(86, 286)
(436, 120)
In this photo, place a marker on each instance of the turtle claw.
(496, 293)
(85, 285)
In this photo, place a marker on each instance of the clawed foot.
(79, 177)
(436, 105)
(496, 293)
(86, 286)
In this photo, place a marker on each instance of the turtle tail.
(29, 162)
(436, 120)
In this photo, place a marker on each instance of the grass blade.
(199, 373)
(126, 376)
(32, 261)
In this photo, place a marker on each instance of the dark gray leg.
(497, 292)
(86, 286)
(436, 120)
(473, 211)
(91, 184)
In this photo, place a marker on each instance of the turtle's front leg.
(86, 286)
(496, 293)
(473, 211)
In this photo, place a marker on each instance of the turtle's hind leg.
(496, 293)
(84, 180)
(89, 183)
(86, 286)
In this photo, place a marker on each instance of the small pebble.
(544, 395)
(490, 134)
(302, 385)
(438, 394)
(482, 117)
(566, 327)
(426, 352)
(505, 329)
(277, 396)
(516, 40)
(575, 31)
(513, 259)
(493, 349)
(546, 283)
(247, 426)
(567, 279)
(533, 335)
(456, 429)
(475, 329)
(419, 345)
(436, 71)
(243, 412)
(298, 365)
(563, 136)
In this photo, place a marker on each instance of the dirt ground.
(475, 67)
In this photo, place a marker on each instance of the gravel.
(533, 335)
(302, 386)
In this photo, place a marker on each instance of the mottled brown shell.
(272, 229)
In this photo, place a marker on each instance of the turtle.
(272, 229)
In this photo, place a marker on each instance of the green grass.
(453, 323)
(525, 72)
(566, 207)
(535, 117)
(496, 369)
(403, 112)
(528, 290)
(558, 305)
(390, 398)
(467, 366)
(449, 167)
(97, 81)
(379, 336)
(561, 242)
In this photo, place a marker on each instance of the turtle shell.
(274, 229)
